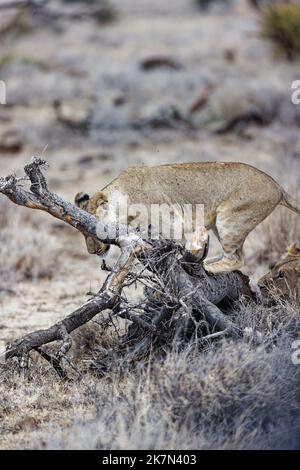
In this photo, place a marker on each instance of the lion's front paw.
(225, 265)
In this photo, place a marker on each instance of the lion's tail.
(289, 202)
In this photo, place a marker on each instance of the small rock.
(230, 55)
(89, 159)
(119, 100)
(158, 62)
(85, 160)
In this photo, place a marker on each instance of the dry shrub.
(281, 24)
(26, 248)
(96, 338)
(231, 395)
(224, 395)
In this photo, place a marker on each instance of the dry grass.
(281, 25)
(25, 246)
(229, 395)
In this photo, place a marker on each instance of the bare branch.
(175, 294)
(76, 319)
(39, 197)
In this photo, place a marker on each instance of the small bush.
(281, 24)
(232, 395)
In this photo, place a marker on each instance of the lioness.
(236, 198)
(283, 281)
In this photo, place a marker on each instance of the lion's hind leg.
(233, 224)
(214, 259)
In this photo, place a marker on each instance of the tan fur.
(91, 205)
(283, 281)
(236, 198)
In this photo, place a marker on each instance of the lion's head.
(283, 281)
(93, 205)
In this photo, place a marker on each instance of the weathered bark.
(39, 197)
(60, 330)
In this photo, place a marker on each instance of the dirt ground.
(97, 68)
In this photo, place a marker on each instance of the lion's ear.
(81, 200)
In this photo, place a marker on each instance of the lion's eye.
(280, 275)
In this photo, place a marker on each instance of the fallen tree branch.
(21, 347)
(178, 297)
(39, 197)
